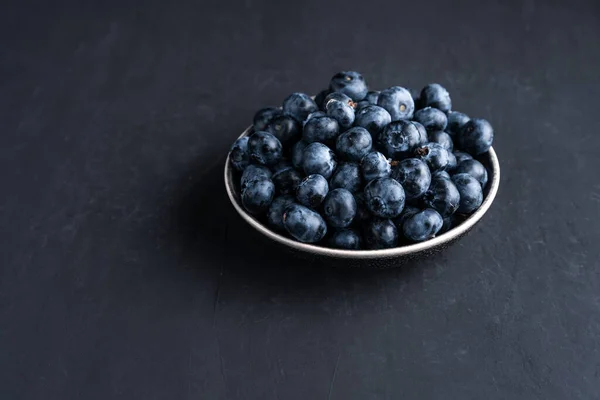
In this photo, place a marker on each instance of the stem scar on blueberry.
(348, 78)
(402, 107)
(352, 104)
(422, 151)
(394, 163)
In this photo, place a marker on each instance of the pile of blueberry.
(360, 169)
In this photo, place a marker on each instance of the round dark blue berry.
(475, 137)
(287, 180)
(399, 139)
(297, 153)
(471, 195)
(381, 234)
(339, 208)
(350, 83)
(414, 176)
(312, 190)
(473, 168)
(442, 138)
(347, 239)
(264, 116)
(442, 196)
(304, 224)
(321, 129)
(385, 197)
(436, 96)
(258, 195)
(299, 106)
(285, 128)
(435, 155)
(398, 102)
(440, 175)
(253, 173)
(407, 212)
(431, 118)
(372, 97)
(423, 225)
(373, 119)
(316, 114)
(346, 176)
(375, 165)
(342, 112)
(456, 120)
(264, 148)
(354, 144)
(275, 213)
(318, 159)
(462, 156)
(238, 155)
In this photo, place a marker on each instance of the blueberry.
(473, 168)
(434, 95)
(431, 118)
(264, 116)
(347, 239)
(304, 224)
(342, 112)
(440, 175)
(373, 119)
(372, 97)
(399, 139)
(462, 156)
(253, 173)
(471, 195)
(398, 102)
(347, 176)
(275, 213)
(442, 196)
(475, 137)
(299, 106)
(258, 195)
(264, 148)
(287, 180)
(322, 129)
(375, 165)
(385, 197)
(312, 190)
(284, 128)
(339, 208)
(442, 138)
(381, 234)
(362, 212)
(423, 225)
(436, 156)
(338, 96)
(407, 212)
(456, 120)
(354, 144)
(320, 98)
(318, 159)
(414, 176)
(316, 114)
(238, 155)
(297, 153)
(350, 83)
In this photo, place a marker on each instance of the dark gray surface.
(126, 274)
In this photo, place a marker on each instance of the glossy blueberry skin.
(298, 153)
(354, 144)
(381, 233)
(375, 165)
(254, 172)
(440, 175)
(385, 197)
(400, 139)
(299, 106)
(347, 239)
(407, 212)
(287, 180)
(238, 155)
(414, 176)
(264, 116)
(318, 159)
(342, 112)
(362, 212)
(423, 225)
(284, 128)
(275, 213)
(372, 97)
(473, 168)
(320, 98)
(456, 120)
(258, 195)
(264, 148)
(347, 176)
(304, 224)
(312, 191)
(431, 118)
(339, 208)
(321, 129)
(398, 102)
(350, 83)
(435, 155)
(475, 137)
(436, 96)
(442, 138)
(373, 119)
(471, 194)
(462, 156)
(338, 96)
(442, 196)
(316, 114)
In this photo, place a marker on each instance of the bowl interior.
(488, 159)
